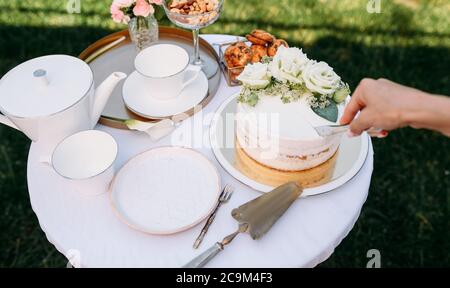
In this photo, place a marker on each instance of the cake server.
(330, 130)
(255, 217)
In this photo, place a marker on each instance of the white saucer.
(165, 190)
(350, 158)
(144, 104)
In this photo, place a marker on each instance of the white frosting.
(285, 159)
(282, 135)
(295, 120)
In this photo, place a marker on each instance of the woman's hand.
(387, 105)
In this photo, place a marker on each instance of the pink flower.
(157, 2)
(126, 19)
(116, 13)
(143, 8)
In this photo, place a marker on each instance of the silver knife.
(255, 217)
(331, 130)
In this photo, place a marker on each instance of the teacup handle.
(196, 72)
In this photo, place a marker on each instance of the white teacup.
(166, 69)
(87, 159)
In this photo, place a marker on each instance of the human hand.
(383, 105)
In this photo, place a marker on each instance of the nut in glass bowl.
(193, 14)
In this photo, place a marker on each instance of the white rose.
(288, 64)
(255, 76)
(320, 78)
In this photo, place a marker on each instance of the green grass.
(406, 215)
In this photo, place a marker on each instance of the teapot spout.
(102, 94)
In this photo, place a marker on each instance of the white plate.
(350, 158)
(165, 190)
(147, 106)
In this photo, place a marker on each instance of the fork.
(225, 196)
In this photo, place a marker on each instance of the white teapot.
(52, 97)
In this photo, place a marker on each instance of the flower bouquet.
(291, 75)
(139, 15)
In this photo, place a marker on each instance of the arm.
(387, 105)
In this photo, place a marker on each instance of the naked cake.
(281, 101)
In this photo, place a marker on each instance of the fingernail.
(383, 134)
(350, 134)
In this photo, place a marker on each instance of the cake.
(272, 177)
(295, 146)
(281, 101)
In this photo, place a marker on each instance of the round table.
(85, 229)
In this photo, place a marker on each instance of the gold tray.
(121, 58)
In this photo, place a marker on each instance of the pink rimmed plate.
(165, 190)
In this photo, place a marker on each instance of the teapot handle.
(7, 122)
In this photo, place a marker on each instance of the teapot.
(52, 97)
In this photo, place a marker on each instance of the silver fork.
(225, 196)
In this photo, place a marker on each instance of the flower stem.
(140, 23)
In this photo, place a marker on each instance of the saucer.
(165, 190)
(143, 103)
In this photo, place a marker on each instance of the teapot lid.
(44, 86)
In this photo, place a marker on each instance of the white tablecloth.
(86, 230)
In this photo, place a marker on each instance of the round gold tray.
(104, 60)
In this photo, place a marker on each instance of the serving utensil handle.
(201, 260)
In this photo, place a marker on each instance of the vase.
(143, 31)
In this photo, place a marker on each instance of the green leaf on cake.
(253, 99)
(330, 112)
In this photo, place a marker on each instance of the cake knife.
(330, 130)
